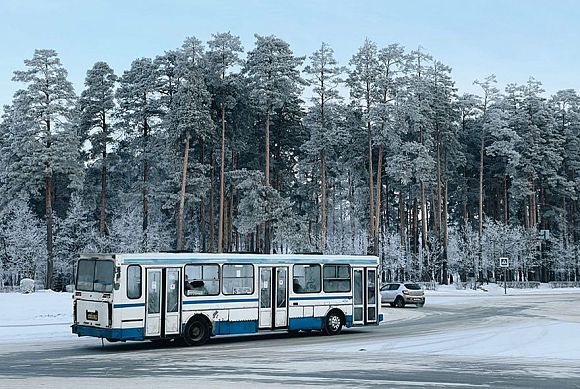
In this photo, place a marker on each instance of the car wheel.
(392, 304)
(332, 323)
(399, 302)
(420, 305)
(196, 332)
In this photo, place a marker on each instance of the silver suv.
(398, 294)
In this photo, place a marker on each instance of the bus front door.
(273, 297)
(153, 303)
(163, 300)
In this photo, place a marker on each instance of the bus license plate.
(93, 315)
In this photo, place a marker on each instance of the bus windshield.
(95, 276)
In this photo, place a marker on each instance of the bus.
(194, 296)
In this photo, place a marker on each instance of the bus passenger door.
(153, 303)
(273, 298)
(281, 316)
(172, 301)
(358, 294)
(265, 313)
(372, 303)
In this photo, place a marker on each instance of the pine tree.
(274, 80)
(139, 108)
(362, 80)
(225, 49)
(50, 101)
(325, 78)
(96, 105)
(190, 118)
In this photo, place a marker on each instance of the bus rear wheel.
(332, 323)
(196, 332)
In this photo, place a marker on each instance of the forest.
(213, 148)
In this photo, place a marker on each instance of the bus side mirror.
(116, 286)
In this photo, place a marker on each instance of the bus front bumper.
(109, 333)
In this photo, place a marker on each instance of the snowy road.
(525, 341)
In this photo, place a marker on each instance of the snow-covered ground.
(39, 316)
(548, 330)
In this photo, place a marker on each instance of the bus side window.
(201, 280)
(336, 278)
(238, 279)
(134, 281)
(306, 279)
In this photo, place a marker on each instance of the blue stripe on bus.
(260, 261)
(235, 327)
(321, 298)
(133, 305)
(252, 300)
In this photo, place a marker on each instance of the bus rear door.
(273, 297)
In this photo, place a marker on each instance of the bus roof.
(183, 258)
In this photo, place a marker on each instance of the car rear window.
(413, 286)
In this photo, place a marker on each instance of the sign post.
(505, 263)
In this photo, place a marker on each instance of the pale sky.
(512, 39)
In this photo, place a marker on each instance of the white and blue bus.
(195, 296)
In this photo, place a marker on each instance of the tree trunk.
(202, 207)
(506, 204)
(402, 220)
(445, 231)
(145, 184)
(371, 182)
(323, 217)
(49, 228)
(438, 206)
(378, 201)
(222, 184)
(267, 152)
(103, 196)
(267, 181)
(211, 210)
(181, 207)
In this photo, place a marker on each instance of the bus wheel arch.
(197, 331)
(334, 321)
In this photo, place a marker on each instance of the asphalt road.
(284, 360)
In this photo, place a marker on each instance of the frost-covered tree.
(362, 80)
(189, 119)
(324, 77)
(224, 54)
(22, 247)
(274, 81)
(138, 100)
(96, 105)
(49, 100)
(72, 237)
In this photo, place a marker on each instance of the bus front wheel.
(332, 323)
(196, 332)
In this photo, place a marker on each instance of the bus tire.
(333, 322)
(197, 331)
